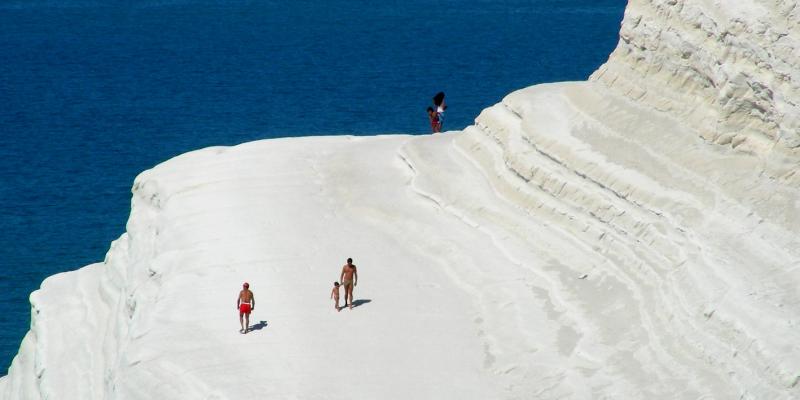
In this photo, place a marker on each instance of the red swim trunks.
(244, 308)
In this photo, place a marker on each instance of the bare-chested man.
(245, 303)
(349, 279)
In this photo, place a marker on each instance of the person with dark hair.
(245, 303)
(335, 295)
(349, 279)
(436, 126)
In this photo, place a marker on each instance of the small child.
(335, 295)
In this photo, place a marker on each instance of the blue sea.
(94, 92)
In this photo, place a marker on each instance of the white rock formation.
(728, 68)
(582, 240)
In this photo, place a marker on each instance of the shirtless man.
(245, 303)
(349, 279)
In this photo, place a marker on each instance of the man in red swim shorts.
(245, 303)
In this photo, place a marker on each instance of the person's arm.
(238, 299)
(355, 276)
(341, 276)
(332, 290)
(252, 302)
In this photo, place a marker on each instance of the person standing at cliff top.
(349, 279)
(245, 303)
(434, 118)
(440, 106)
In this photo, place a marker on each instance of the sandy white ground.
(542, 253)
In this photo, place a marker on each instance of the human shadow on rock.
(259, 326)
(359, 302)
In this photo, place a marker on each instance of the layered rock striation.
(692, 245)
(727, 69)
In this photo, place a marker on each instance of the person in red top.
(436, 125)
(245, 303)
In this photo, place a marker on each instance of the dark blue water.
(91, 94)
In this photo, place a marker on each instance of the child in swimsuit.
(335, 294)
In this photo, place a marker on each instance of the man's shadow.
(359, 302)
(259, 326)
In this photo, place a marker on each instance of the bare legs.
(244, 321)
(348, 294)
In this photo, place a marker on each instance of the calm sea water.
(93, 93)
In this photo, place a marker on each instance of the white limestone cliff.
(634, 236)
(729, 69)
